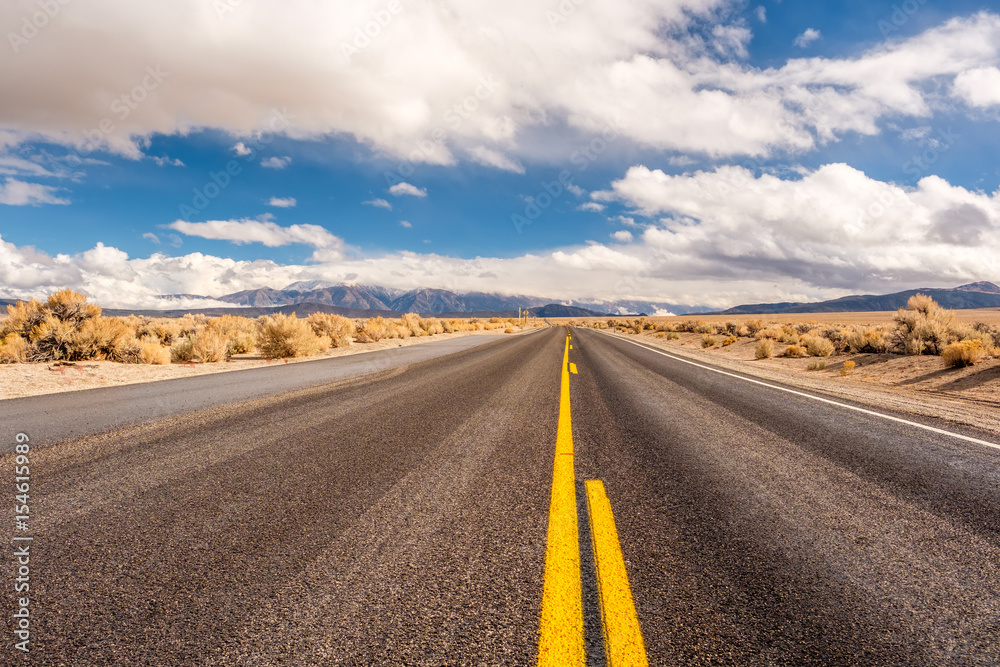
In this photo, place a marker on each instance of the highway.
(431, 513)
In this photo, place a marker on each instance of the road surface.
(401, 517)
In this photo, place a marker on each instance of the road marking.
(900, 420)
(623, 643)
(572, 368)
(561, 628)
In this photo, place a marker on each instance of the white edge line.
(810, 396)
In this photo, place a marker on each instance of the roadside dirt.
(916, 385)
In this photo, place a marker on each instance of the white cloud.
(807, 38)
(266, 232)
(491, 158)
(378, 203)
(241, 149)
(575, 189)
(152, 237)
(833, 228)
(282, 202)
(276, 162)
(979, 87)
(401, 189)
(405, 223)
(591, 207)
(761, 13)
(464, 83)
(623, 235)
(19, 193)
(167, 162)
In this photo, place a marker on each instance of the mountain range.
(973, 295)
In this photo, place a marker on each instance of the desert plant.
(13, 349)
(819, 347)
(372, 331)
(866, 339)
(673, 335)
(151, 352)
(963, 353)
(708, 341)
(704, 328)
(847, 368)
(816, 366)
(508, 330)
(795, 351)
(729, 341)
(281, 336)
(337, 328)
(924, 326)
(765, 349)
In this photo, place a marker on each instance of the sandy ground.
(968, 316)
(19, 380)
(914, 385)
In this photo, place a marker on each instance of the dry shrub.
(335, 327)
(70, 306)
(729, 341)
(963, 353)
(816, 366)
(673, 335)
(22, 317)
(152, 352)
(13, 349)
(281, 336)
(209, 346)
(866, 339)
(661, 334)
(788, 335)
(508, 330)
(704, 328)
(372, 331)
(767, 334)
(847, 368)
(432, 325)
(795, 351)
(819, 347)
(754, 326)
(708, 341)
(765, 349)
(743, 331)
(105, 338)
(924, 326)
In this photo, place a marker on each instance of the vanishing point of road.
(559, 497)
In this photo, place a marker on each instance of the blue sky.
(710, 152)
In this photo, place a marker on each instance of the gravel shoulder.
(919, 386)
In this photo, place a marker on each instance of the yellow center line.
(623, 643)
(560, 641)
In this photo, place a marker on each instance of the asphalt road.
(399, 518)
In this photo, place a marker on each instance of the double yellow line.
(561, 630)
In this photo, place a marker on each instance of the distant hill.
(559, 310)
(973, 295)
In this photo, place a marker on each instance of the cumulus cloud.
(591, 207)
(265, 232)
(474, 75)
(405, 224)
(807, 38)
(623, 235)
(20, 193)
(282, 202)
(406, 189)
(241, 149)
(378, 203)
(276, 162)
(979, 87)
(833, 227)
